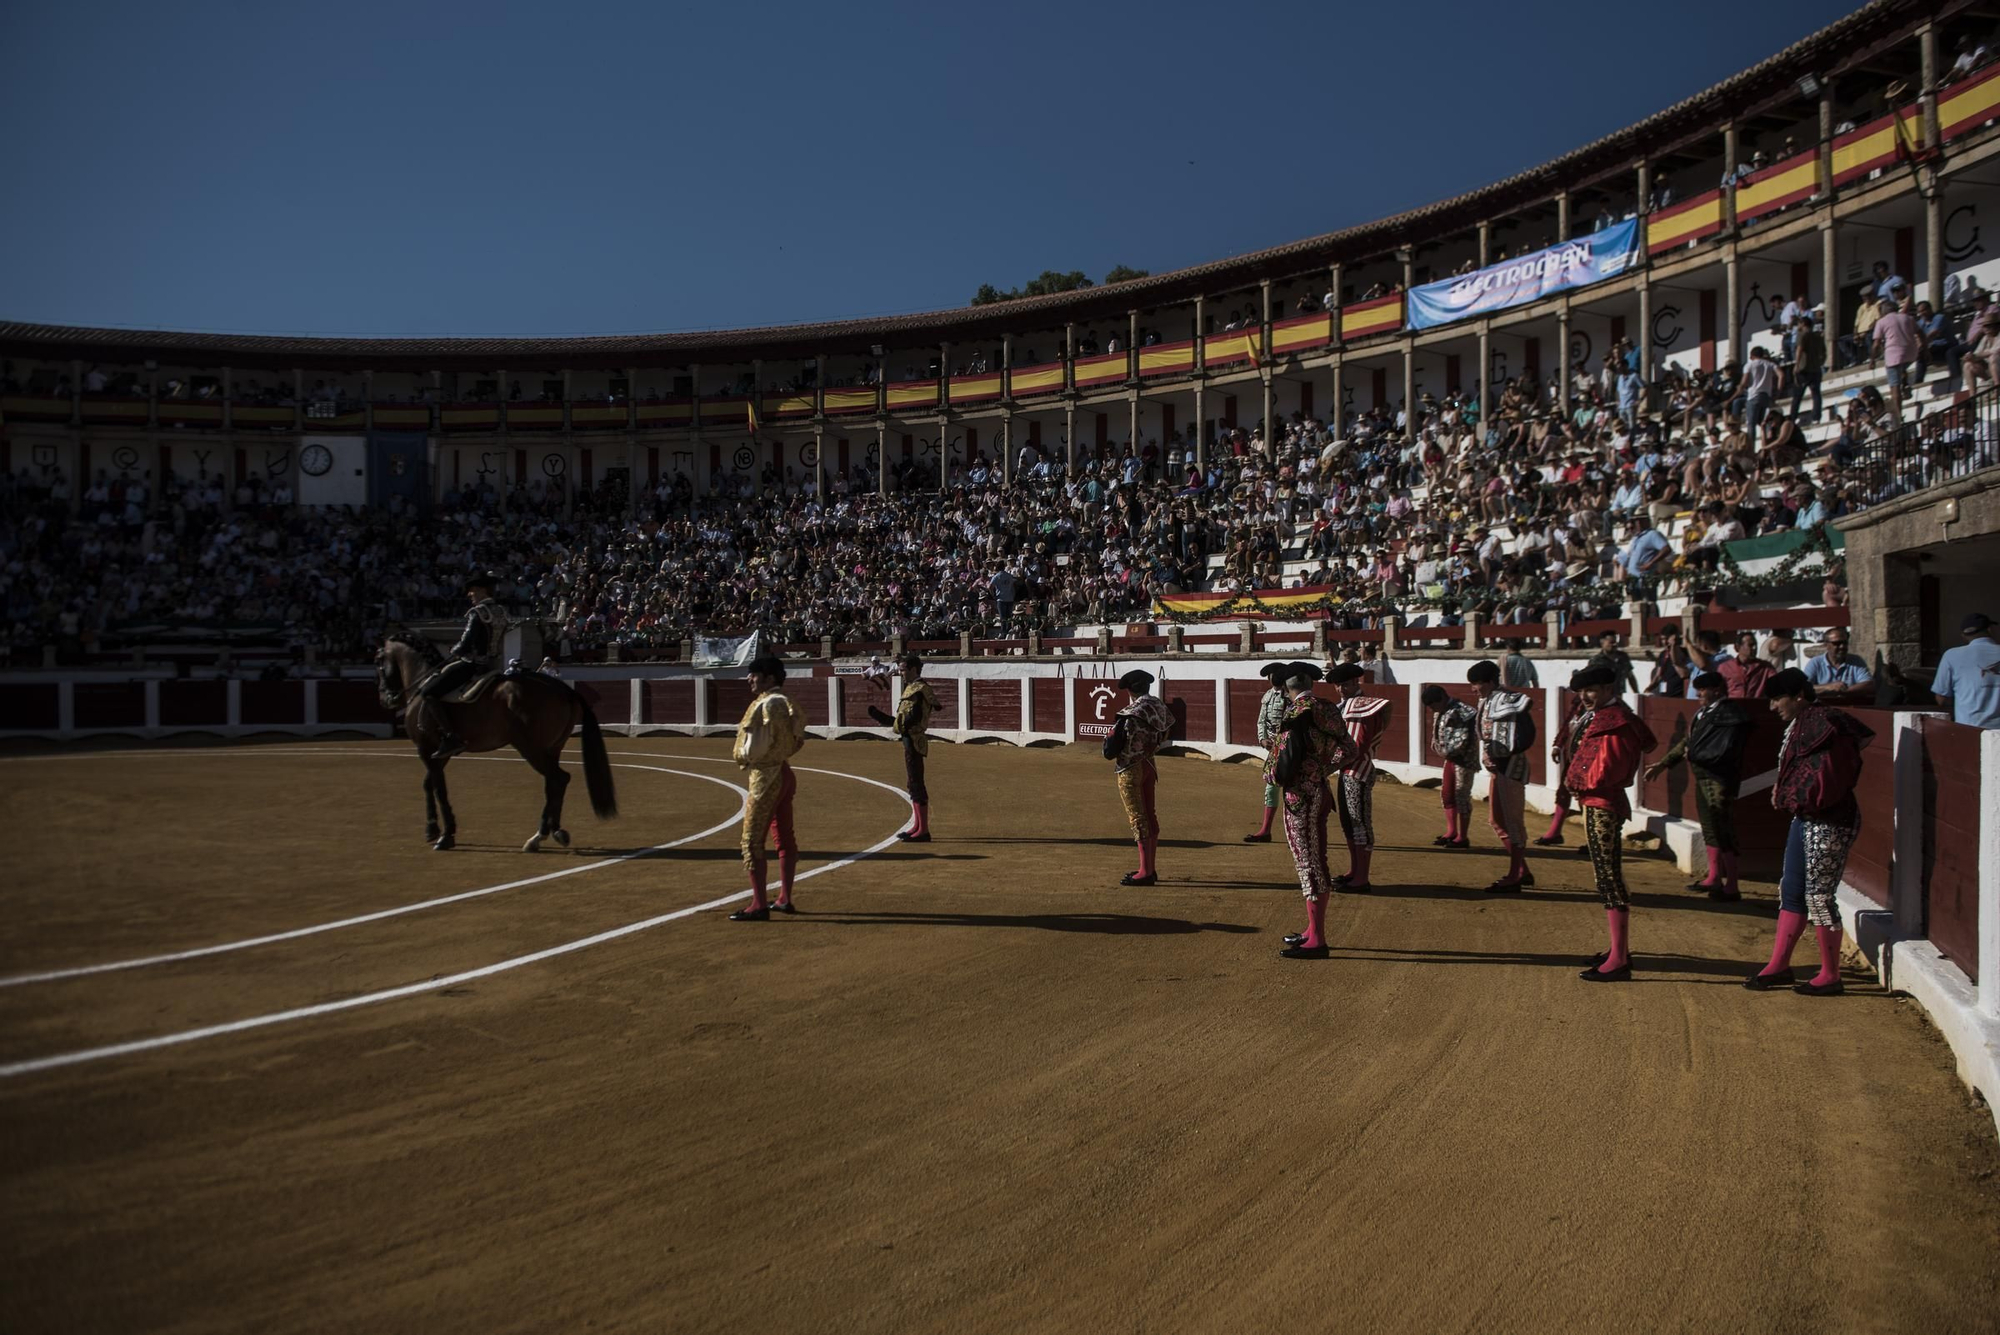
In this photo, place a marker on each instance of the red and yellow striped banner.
(1380, 316)
(186, 413)
(1243, 345)
(33, 408)
(723, 412)
(913, 394)
(1167, 359)
(789, 405)
(399, 417)
(1969, 104)
(1296, 335)
(469, 417)
(248, 414)
(1111, 368)
(1275, 601)
(133, 412)
(533, 417)
(1787, 182)
(1041, 378)
(1684, 223)
(859, 399)
(592, 416)
(1876, 144)
(677, 413)
(975, 388)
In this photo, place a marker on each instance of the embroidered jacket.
(1455, 733)
(1367, 718)
(1818, 764)
(1148, 724)
(1718, 732)
(1270, 717)
(1606, 757)
(913, 716)
(772, 731)
(1329, 746)
(1506, 731)
(485, 630)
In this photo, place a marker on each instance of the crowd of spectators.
(1541, 506)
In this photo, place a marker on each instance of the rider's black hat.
(485, 579)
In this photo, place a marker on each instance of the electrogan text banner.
(1525, 278)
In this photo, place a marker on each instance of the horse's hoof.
(534, 843)
(562, 838)
(445, 842)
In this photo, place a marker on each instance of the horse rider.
(477, 649)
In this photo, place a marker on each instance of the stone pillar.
(1645, 333)
(1562, 215)
(1732, 265)
(819, 462)
(1409, 386)
(1927, 60)
(1069, 357)
(1826, 153)
(1729, 147)
(1485, 372)
(1934, 212)
(1006, 447)
(882, 458)
(1174, 634)
(1132, 345)
(1635, 635)
(1200, 427)
(1472, 632)
(1069, 439)
(1390, 624)
(1486, 242)
(1829, 259)
(1339, 393)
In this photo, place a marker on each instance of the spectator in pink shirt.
(1897, 340)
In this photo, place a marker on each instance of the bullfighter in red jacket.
(1610, 742)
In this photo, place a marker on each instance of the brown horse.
(533, 714)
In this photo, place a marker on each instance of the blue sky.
(614, 167)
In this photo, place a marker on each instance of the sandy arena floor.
(974, 1086)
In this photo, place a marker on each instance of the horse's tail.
(597, 765)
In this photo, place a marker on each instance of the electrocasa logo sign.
(1097, 706)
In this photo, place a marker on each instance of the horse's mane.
(422, 645)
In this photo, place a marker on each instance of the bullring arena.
(973, 1086)
(272, 1060)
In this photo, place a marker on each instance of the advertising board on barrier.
(1525, 278)
(1098, 700)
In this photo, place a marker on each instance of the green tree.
(1050, 282)
(1124, 274)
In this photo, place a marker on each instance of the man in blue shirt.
(1646, 555)
(1968, 677)
(1837, 673)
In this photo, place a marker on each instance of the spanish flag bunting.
(750, 413)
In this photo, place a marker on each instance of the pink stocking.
(788, 870)
(1829, 956)
(1315, 922)
(1791, 926)
(1714, 877)
(1618, 923)
(1556, 822)
(757, 873)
